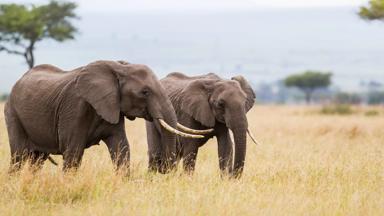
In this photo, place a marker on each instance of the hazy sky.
(265, 40)
(149, 5)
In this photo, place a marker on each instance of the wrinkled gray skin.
(203, 102)
(55, 112)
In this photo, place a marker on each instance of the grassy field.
(307, 164)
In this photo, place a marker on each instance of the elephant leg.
(17, 140)
(18, 159)
(72, 158)
(118, 147)
(225, 149)
(189, 157)
(154, 148)
(73, 129)
(37, 159)
(73, 144)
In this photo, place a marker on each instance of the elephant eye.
(145, 92)
(221, 104)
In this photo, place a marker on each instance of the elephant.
(51, 111)
(214, 106)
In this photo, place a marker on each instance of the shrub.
(371, 113)
(338, 109)
(347, 98)
(376, 97)
(3, 97)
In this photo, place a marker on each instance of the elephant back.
(174, 83)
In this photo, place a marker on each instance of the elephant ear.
(194, 100)
(98, 85)
(248, 91)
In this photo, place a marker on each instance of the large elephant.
(204, 102)
(50, 111)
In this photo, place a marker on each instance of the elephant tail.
(52, 161)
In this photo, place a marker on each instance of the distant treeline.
(279, 93)
(372, 98)
(3, 97)
(371, 92)
(271, 95)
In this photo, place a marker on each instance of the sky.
(165, 5)
(264, 40)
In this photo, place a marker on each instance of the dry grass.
(308, 164)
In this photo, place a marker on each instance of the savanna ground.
(307, 164)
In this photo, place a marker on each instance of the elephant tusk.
(173, 130)
(252, 137)
(193, 131)
(231, 135)
(248, 132)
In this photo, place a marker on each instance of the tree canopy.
(308, 82)
(374, 11)
(22, 26)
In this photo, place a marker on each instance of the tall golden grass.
(307, 164)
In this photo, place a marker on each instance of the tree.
(374, 11)
(376, 97)
(3, 97)
(308, 82)
(347, 98)
(22, 26)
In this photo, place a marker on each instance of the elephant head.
(116, 89)
(212, 100)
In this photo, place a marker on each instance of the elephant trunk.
(239, 125)
(168, 139)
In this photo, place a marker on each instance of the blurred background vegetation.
(374, 11)
(23, 25)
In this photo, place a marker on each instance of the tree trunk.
(29, 57)
(308, 96)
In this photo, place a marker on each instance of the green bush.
(376, 97)
(3, 97)
(371, 113)
(347, 98)
(338, 109)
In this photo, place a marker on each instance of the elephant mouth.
(130, 117)
(148, 118)
(141, 114)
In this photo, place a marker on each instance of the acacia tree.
(308, 82)
(22, 26)
(374, 11)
